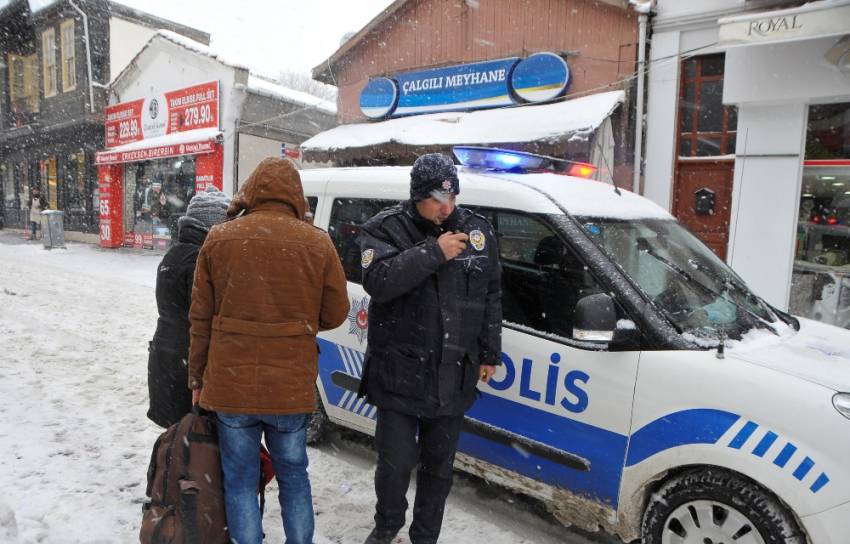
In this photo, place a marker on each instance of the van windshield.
(697, 291)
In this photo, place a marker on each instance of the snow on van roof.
(578, 117)
(580, 197)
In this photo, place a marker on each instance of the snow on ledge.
(579, 117)
(262, 87)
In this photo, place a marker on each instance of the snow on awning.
(577, 118)
(820, 19)
(193, 142)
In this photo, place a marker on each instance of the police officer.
(433, 273)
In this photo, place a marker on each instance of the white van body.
(617, 423)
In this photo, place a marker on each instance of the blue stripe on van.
(822, 480)
(698, 426)
(604, 449)
(742, 436)
(765, 444)
(804, 468)
(785, 455)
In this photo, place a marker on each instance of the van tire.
(319, 422)
(767, 514)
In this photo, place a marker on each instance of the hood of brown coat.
(274, 180)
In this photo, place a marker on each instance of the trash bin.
(53, 229)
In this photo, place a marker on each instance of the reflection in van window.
(542, 278)
(347, 215)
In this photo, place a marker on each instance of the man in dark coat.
(433, 273)
(168, 369)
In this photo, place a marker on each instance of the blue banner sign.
(489, 84)
(467, 86)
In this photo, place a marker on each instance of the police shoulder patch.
(366, 257)
(478, 240)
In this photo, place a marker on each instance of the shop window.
(48, 61)
(542, 278)
(347, 215)
(49, 181)
(75, 182)
(69, 59)
(23, 87)
(821, 280)
(156, 196)
(706, 126)
(7, 172)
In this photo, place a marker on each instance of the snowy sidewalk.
(74, 440)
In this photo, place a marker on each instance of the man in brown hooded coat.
(265, 283)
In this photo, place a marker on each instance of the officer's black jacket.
(431, 321)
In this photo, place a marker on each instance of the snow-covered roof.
(263, 87)
(200, 48)
(256, 82)
(579, 117)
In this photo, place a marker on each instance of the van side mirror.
(595, 319)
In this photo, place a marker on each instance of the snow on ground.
(75, 443)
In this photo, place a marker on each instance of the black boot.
(380, 536)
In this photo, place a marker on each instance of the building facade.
(56, 63)
(422, 57)
(748, 141)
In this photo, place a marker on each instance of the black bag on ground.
(185, 487)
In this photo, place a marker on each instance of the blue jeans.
(286, 439)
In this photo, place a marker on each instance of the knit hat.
(206, 208)
(431, 175)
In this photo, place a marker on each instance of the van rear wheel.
(317, 427)
(715, 506)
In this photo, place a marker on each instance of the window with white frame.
(48, 61)
(69, 58)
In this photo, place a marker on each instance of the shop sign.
(488, 84)
(160, 152)
(799, 23)
(181, 110)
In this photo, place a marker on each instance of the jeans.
(286, 439)
(34, 227)
(398, 453)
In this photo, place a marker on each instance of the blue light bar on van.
(497, 159)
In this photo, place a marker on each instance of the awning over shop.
(571, 120)
(192, 142)
(821, 19)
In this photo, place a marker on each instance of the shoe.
(380, 536)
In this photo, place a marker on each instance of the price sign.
(124, 123)
(193, 107)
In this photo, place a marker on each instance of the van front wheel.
(715, 506)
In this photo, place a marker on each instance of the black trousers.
(398, 452)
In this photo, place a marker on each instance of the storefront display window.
(821, 282)
(75, 182)
(47, 168)
(8, 176)
(157, 193)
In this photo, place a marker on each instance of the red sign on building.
(124, 123)
(193, 107)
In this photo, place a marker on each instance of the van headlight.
(841, 401)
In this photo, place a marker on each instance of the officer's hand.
(196, 396)
(487, 372)
(452, 244)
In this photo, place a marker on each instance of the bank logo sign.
(489, 84)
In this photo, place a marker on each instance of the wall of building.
(126, 39)
(598, 39)
(252, 150)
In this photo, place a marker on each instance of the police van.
(645, 389)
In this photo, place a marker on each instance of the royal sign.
(181, 110)
(490, 84)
